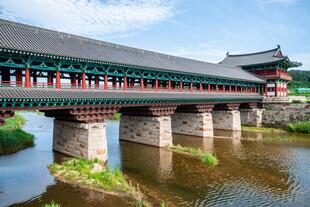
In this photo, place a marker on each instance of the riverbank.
(300, 127)
(12, 137)
(93, 175)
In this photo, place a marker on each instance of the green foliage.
(13, 123)
(92, 173)
(12, 138)
(303, 127)
(206, 158)
(209, 159)
(300, 75)
(116, 116)
(52, 204)
(296, 101)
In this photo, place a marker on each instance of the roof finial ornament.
(279, 47)
(227, 53)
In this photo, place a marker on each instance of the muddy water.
(260, 169)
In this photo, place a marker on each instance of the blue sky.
(199, 29)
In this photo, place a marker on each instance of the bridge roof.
(258, 58)
(36, 94)
(38, 40)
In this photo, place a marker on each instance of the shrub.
(303, 127)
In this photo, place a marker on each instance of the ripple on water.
(251, 173)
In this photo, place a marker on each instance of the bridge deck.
(35, 97)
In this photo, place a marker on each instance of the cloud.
(88, 17)
(202, 51)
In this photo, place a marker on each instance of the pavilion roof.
(259, 58)
(38, 40)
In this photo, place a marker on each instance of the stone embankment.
(280, 115)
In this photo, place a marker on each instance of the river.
(261, 169)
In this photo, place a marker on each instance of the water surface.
(256, 170)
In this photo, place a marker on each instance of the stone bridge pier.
(226, 117)
(194, 120)
(81, 132)
(251, 115)
(150, 125)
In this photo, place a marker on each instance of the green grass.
(209, 159)
(91, 173)
(296, 101)
(302, 127)
(12, 137)
(52, 204)
(261, 129)
(206, 158)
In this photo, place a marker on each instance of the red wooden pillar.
(97, 81)
(224, 89)
(106, 82)
(191, 87)
(83, 80)
(114, 82)
(216, 88)
(181, 86)
(169, 85)
(209, 87)
(125, 83)
(276, 89)
(251, 90)
(200, 87)
(57, 79)
(141, 84)
(27, 78)
(229, 88)
(19, 77)
(236, 89)
(266, 92)
(50, 78)
(242, 89)
(156, 85)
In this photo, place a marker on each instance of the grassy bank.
(206, 158)
(302, 127)
(92, 174)
(12, 137)
(261, 129)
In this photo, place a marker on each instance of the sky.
(198, 29)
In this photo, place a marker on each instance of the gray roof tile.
(28, 38)
(269, 56)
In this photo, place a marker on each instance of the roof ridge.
(254, 53)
